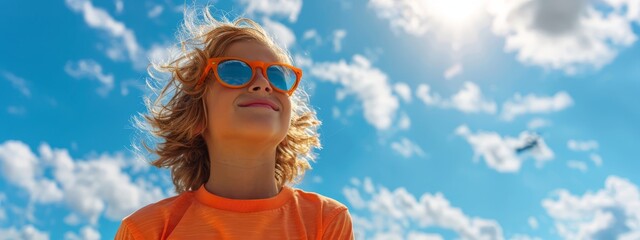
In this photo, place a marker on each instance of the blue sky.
(427, 107)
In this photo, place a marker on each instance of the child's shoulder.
(149, 221)
(329, 205)
(161, 210)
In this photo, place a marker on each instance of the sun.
(456, 12)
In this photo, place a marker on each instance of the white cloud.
(609, 213)
(533, 222)
(16, 110)
(407, 148)
(397, 234)
(283, 8)
(453, 71)
(628, 8)
(531, 103)
(302, 61)
(585, 146)
(88, 68)
(454, 22)
(354, 198)
(578, 165)
(390, 213)
(122, 39)
(283, 36)
(423, 236)
(355, 182)
(596, 158)
(79, 184)
(368, 186)
(373, 54)
(405, 122)
(86, 233)
(72, 219)
(155, 11)
(565, 35)
(506, 154)
(163, 53)
(312, 34)
(309, 34)
(468, 100)
(523, 237)
(336, 112)
(18, 83)
(423, 92)
(21, 168)
(317, 179)
(367, 83)
(119, 6)
(27, 232)
(409, 16)
(3, 213)
(83, 182)
(179, 8)
(403, 90)
(338, 36)
(582, 146)
(537, 123)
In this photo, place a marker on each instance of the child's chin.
(259, 130)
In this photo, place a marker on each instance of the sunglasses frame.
(212, 63)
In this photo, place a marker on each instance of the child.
(235, 132)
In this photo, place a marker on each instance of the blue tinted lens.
(234, 72)
(282, 77)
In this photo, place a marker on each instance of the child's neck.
(242, 174)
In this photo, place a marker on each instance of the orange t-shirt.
(292, 214)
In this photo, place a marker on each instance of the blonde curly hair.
(179, 107)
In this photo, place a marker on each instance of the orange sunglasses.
(233, 72)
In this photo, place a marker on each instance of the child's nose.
(260, 82)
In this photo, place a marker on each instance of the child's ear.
(284, 143)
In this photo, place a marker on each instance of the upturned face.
(255, 112)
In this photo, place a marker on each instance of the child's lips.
(262, 105)
(266, 103)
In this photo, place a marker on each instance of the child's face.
(230, 121)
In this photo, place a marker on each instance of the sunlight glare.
(456, 12)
